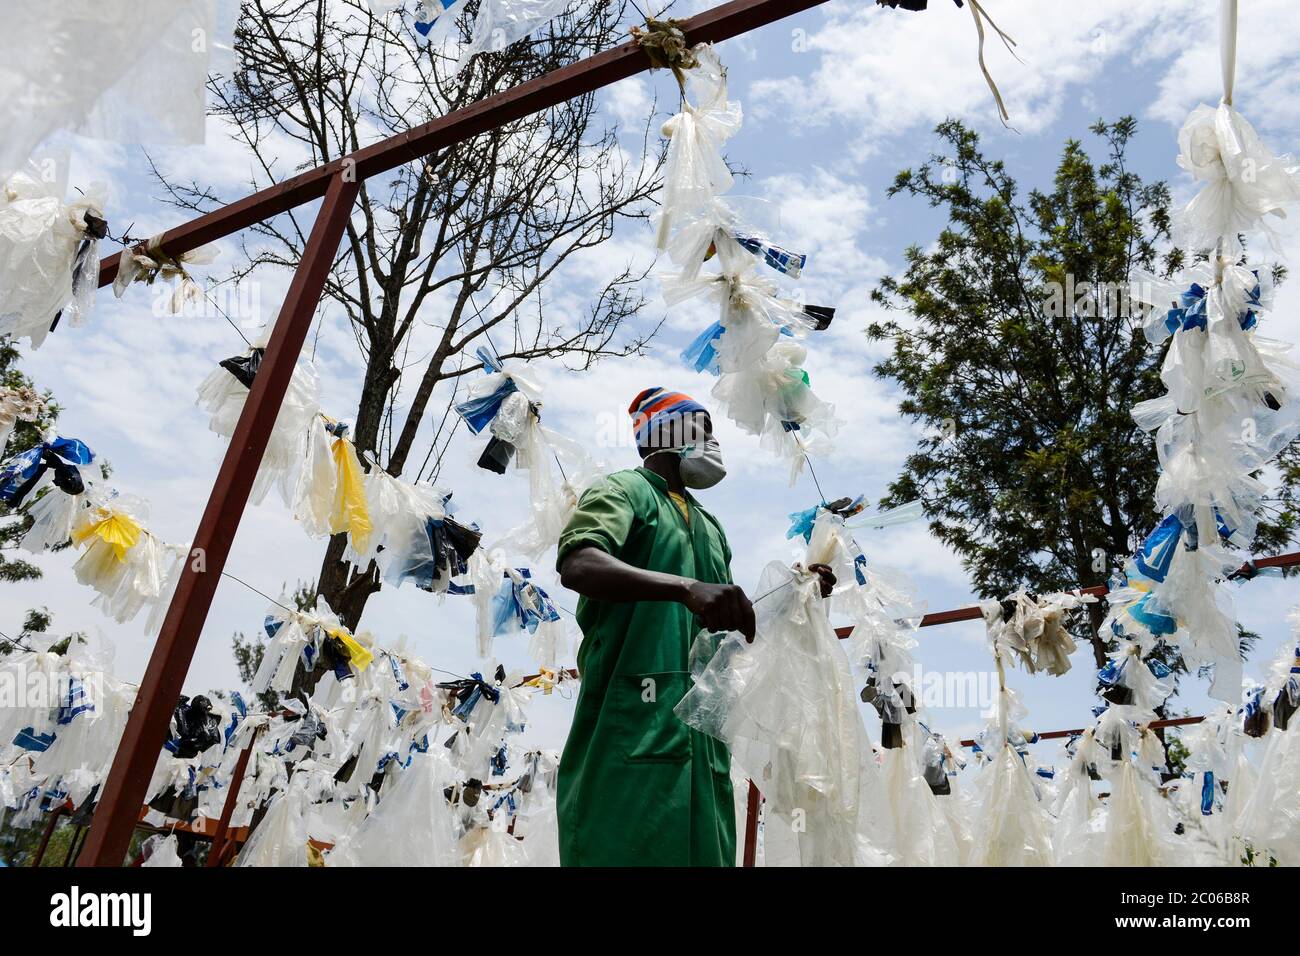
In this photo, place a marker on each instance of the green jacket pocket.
(641, 706)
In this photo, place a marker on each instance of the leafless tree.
(456, 246)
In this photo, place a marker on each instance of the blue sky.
(836, 101)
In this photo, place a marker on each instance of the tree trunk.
(344, 587)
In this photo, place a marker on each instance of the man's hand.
(722, 607)
(828, 578)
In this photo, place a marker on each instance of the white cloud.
(888, 71)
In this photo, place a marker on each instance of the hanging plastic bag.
(223, 395)
(161, 850)
(48, 258)
(499, 23)
(1009, 825)
(18, 404)
(1243, 181)
(280, 839)
(785, 705)
(695, 171)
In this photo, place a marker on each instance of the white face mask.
(701, 463)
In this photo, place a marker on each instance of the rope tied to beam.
(664, 42)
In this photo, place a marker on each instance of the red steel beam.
(751, 825)
(1288, 560)
(218, 848)
(146, 730)
(577, 79)
(1154, 725)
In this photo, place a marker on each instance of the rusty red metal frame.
(219, 839)
(146, 730)
(338, 182)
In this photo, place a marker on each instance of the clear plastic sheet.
(1010, 826)
(162, 99)
(161, 850)
(1140, 822)
(500, 23)
(492, 845)
(1269, 822)
(1218, 781)
(54, 514)
(124, 70)
(927, 830)
(280, 839)
(785, 705)
(1266, 816)
(1080, 818)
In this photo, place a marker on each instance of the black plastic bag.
(196, 727)
(244, 367)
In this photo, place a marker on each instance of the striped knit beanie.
(655, 407)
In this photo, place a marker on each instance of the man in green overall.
(637, 787)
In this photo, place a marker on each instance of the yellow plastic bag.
(116, 529)
(350, 512)
(359, 656)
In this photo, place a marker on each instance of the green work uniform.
(637, 787)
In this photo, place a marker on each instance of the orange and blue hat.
(655, 406)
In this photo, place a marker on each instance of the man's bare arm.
(595, 574)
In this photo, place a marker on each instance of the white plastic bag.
(786, 707)
(1244, 181)
(40, 237)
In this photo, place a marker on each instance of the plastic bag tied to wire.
(773, 398)
(18, 404)
(695, 171)
(1268, 819)
(1031, 630)
(58, 459)
(508, 404)
(155, 263)
(1140, 822)
(1243, 181)
(725, 228)
(121, 560)
(223, 393)
(413, 536)
(1009, 825)
(330, 497)
(508, 601)
(49, 264)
